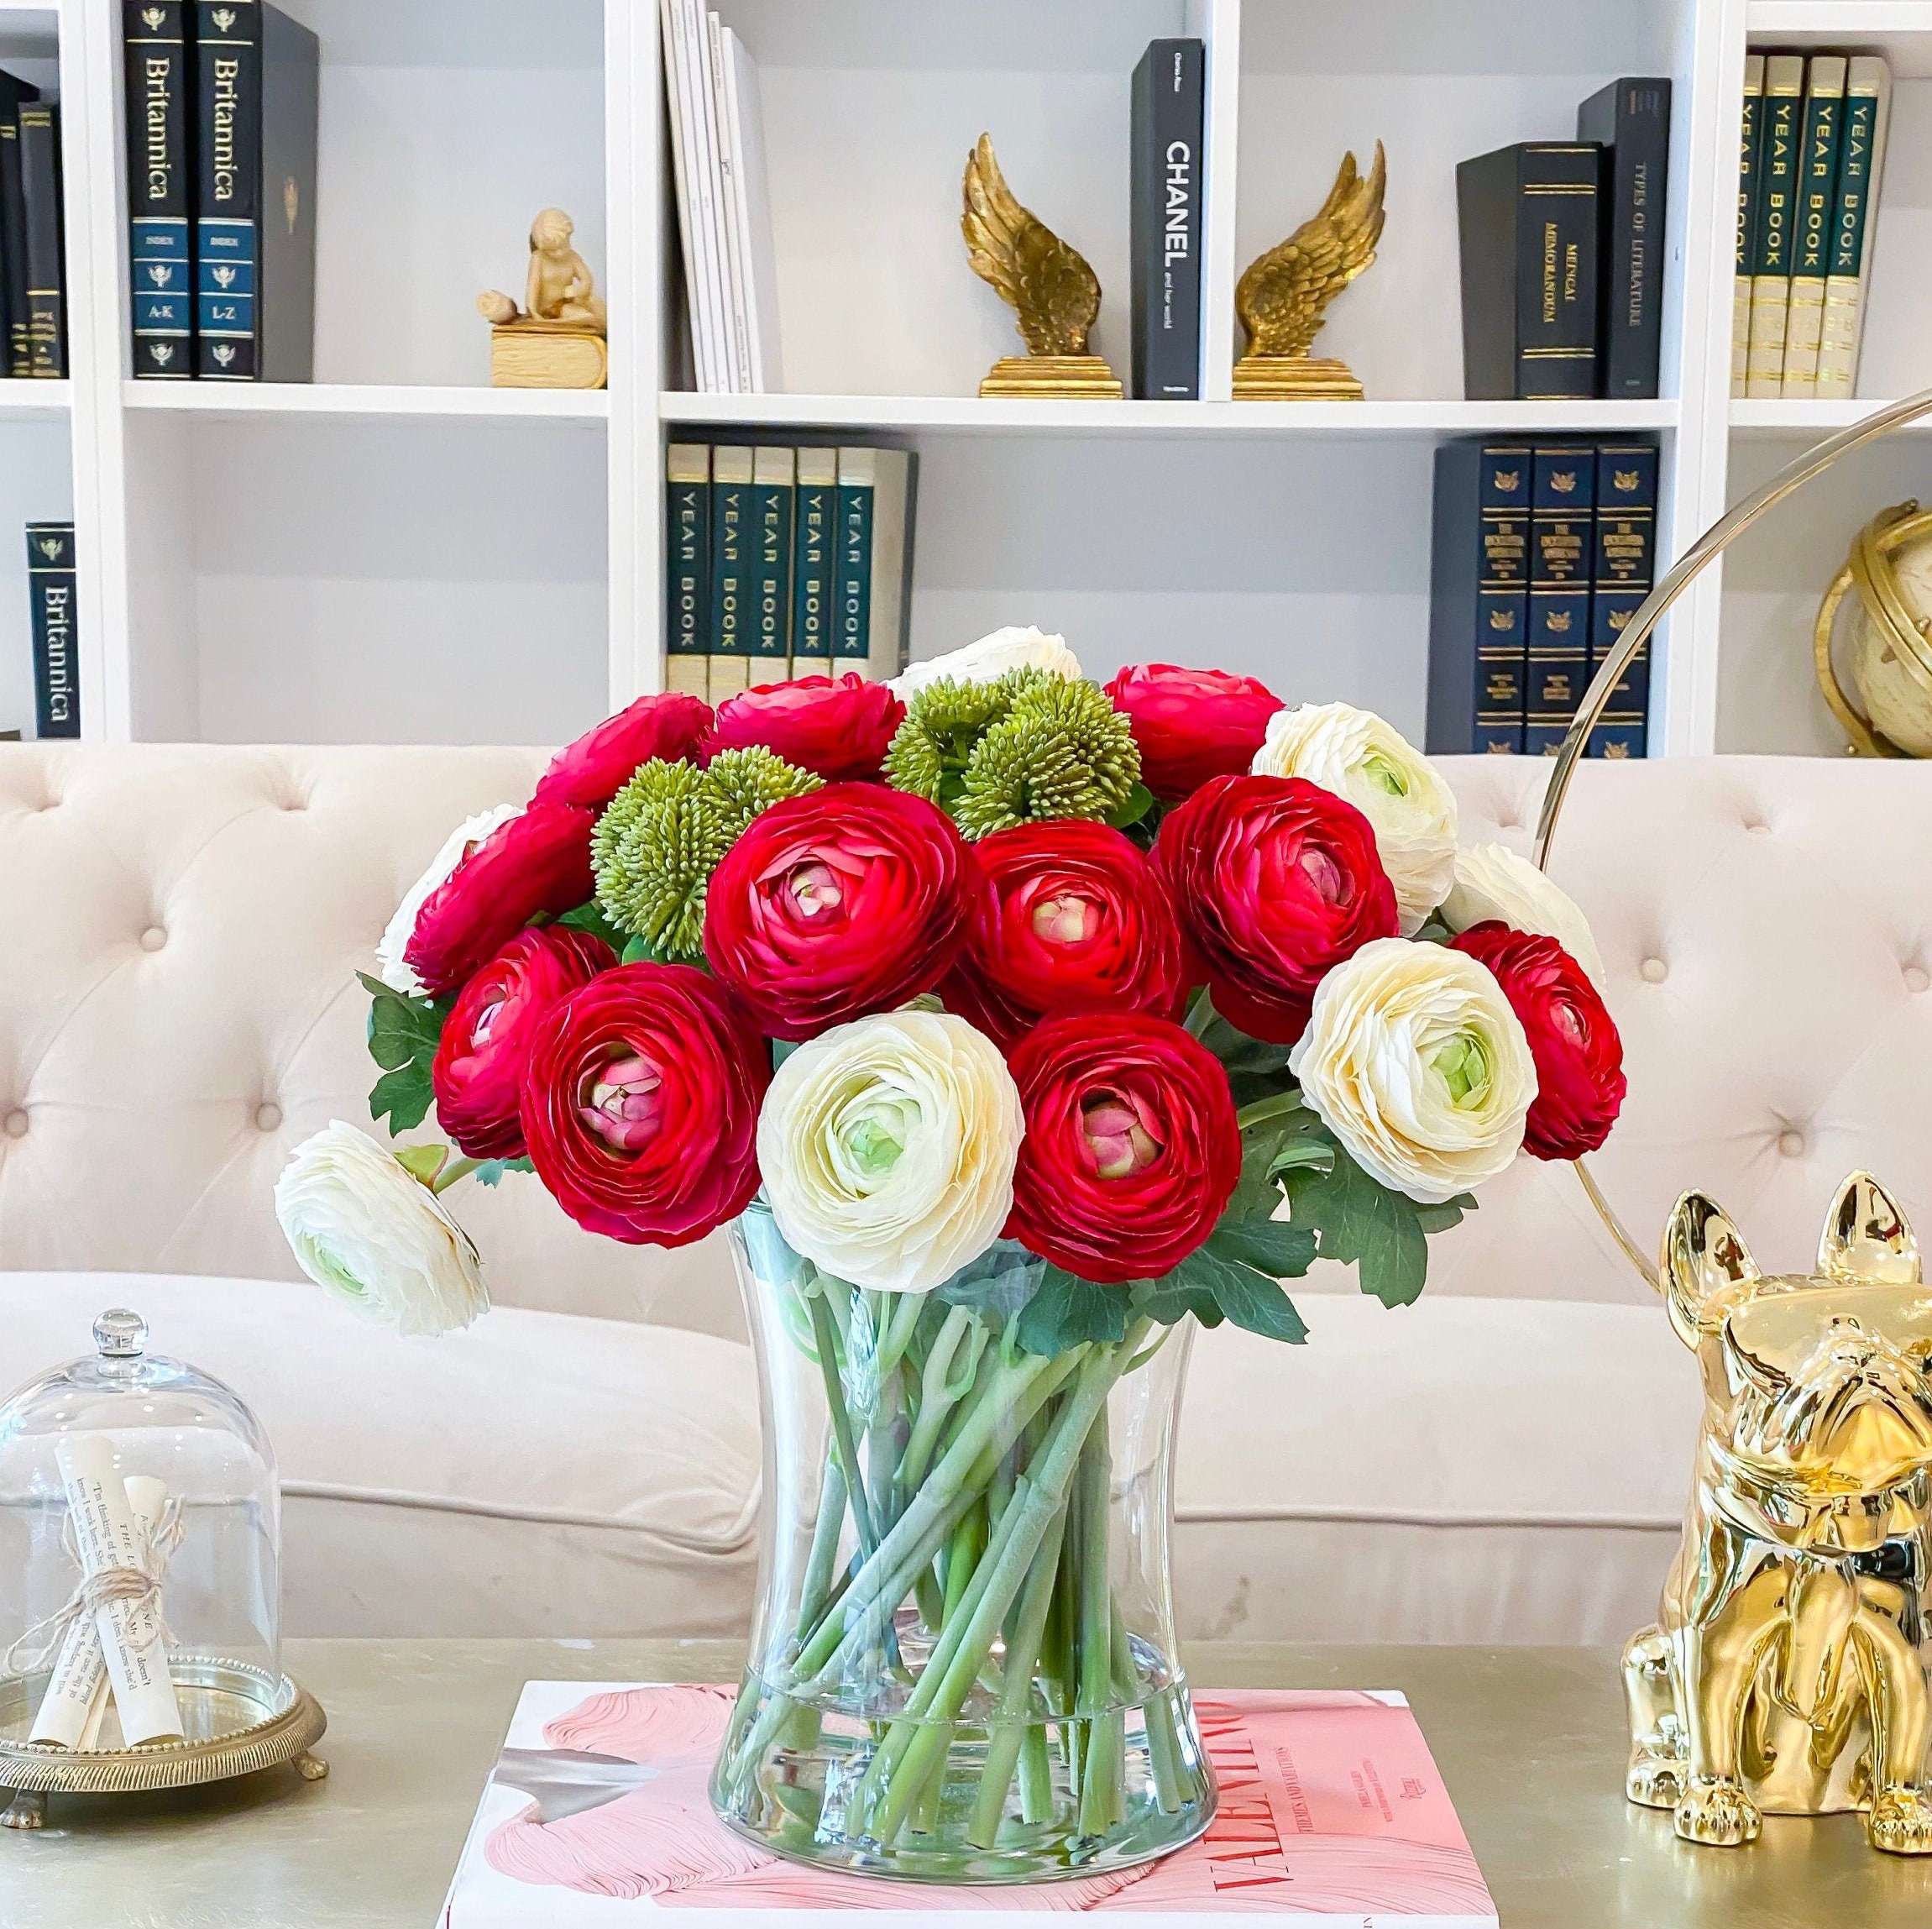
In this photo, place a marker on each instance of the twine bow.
(140, 1585)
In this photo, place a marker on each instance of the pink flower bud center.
(1118, 1144)
(1323, 872)
(485, 1022)
(625, 1106)
(1066, 919)
(1566, 1019)
(815, 888)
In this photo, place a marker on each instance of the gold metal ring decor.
(1888, 644)
(1783, 1676)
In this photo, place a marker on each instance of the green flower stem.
(455, 1169)
(816, 1592)
(827, 1339)
(1014, 1726)
(1276, 1105)
(937, 1398)
(1100, 1782)
(898, 1331)
(1164, 1755)
(1200, 1013)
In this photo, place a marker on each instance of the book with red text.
(1331, 1810)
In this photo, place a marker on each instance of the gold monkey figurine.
(557, 340)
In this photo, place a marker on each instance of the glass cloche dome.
(140, 1548)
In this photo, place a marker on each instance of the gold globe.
(1884, 593)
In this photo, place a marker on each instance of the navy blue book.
(688, 569)
(1630, 120)
(156, 57)
(1623, 573)
(1478, 598)
(1562, 537)
(51, 582)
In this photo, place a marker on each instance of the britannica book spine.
(1771, 252)
(228, 185)
(812, 547)
(1478, 598)
(774, 487)
(46, 267)
(160, 84)
(688, 569)
(1861, 170)
(730, 571)
(1752, 140)
(1562, 489)
(1816, 185)
(1168, 111)
(852, 563)
(1622, 572)
(1630, 120)
(50, 589)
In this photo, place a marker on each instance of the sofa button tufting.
(1758, 827)
(268, 1117)
(16, 1124)
(1791, 1144)
(1655, 970)
(1915, 978)
(152, 938)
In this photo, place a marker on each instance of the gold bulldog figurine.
(1784, 1676)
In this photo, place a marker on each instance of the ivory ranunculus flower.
(1356, 755)
(888, 1148)
(391, 966)
(989, 659)
(1492, 882)
(1414, 1059)
(367, 1230)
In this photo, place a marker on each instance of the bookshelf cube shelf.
(398, 552)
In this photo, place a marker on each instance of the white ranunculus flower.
(989, 659)
(1413, 1059)
(1370, 764)
(364, 1228)
(1493, 882)
(888, 1147)
(390, 966)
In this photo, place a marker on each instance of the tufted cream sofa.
(178, 932)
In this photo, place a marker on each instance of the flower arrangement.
(1016, 1021)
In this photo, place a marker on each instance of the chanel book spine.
(46, 271)
(1622, 572)
(50, 581)
(1630, 120)
(1811, 242)
(1562, 488)
(1166, 226)
(1747, 162)
(812, 547)
(688, 569)
(774, 485)
(1861, 167)
(1527, 216)
(1771, 248)
(160, 268)
(1478, 598)
(732, 527)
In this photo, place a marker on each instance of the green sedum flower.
(667, 829)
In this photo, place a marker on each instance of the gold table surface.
(1530, 1741)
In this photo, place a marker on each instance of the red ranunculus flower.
(1071, 918)
(1132, 1151)
(1574, 1039)
(537, 863)
(1192, 724)
(1277, 881)
(840, 728)
(591, 770)
(640, 1098)
(850, 899)
(477, 1075)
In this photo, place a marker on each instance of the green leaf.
(1266, 1151)
(1139, 801)
(1440, 1218)
(1362, 1223)
(590, 918)
(1272, 1246)
(422, 1162)
(1001, 1282)
(641, 951)
(1171, 1298)
(491, 1170)
(403, 1035)
(1249, 1298)
(1066, 1310)
(404, 1096)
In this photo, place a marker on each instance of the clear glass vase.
(963, 1666)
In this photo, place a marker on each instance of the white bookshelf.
(399, 552)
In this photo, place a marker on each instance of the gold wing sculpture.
(1048, 285)
(1285, 293)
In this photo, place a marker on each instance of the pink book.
(595, 1817)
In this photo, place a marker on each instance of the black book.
(1527, 219)
(14, 355)
(1630, 120)
(256, 78)
(56, 649)
(46, 270)
(1478, 598)
(1165, 277)
(159, 84)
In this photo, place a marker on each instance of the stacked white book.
(724, 213)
